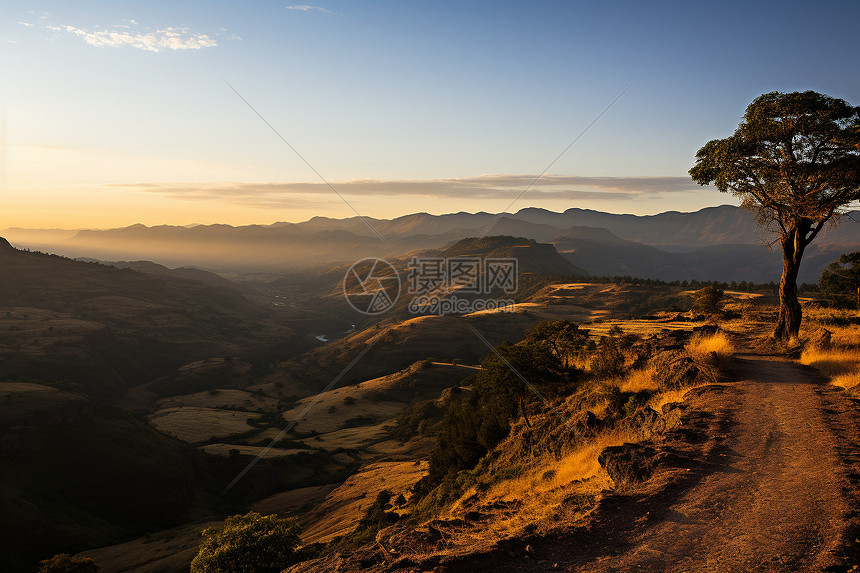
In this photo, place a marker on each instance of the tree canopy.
(840, 282)
(795, 161)
(250, 543)
(65, 563)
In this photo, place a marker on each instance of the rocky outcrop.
(629, 463)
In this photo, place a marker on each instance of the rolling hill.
(100, 330)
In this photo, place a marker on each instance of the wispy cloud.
(164, 39)
(27, 24)
(481, 187)
(307, 8)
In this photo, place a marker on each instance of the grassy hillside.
(93, 482)
(100, 330)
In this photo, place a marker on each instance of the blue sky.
(118, 112)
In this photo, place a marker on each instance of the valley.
(270, 383)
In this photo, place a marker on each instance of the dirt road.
(776, 494)
(761, 475)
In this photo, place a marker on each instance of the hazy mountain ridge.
(715, 243)
(532, 256)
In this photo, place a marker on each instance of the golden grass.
(639, 380)
(668, 397)
(841, 365)
(845, 336)
(840, 361)
(544, 487)
(832, 362)
(581, 464)
(706, 348)
(194, 424)
(847, 381)
(344, 506)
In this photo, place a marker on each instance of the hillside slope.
(100, 329)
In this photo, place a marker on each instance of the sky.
(115, 113)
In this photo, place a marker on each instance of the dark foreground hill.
(100, 330)
(77, 471)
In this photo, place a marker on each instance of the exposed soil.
(765, 479)
(762, 475)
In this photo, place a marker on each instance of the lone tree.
(708, 300)
(795, 161)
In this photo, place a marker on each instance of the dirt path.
(762, 475)
(777, 493)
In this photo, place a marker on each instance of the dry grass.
(639, 380)
(344, 507)
(168, 550)
(641, 327)
(841, 365)
(545, 488)
(840, 360)
(845, 336)
(668, 397)
(581, 464)
(221, 398)
(350, 438)
(224, 450)
(194, 424)
(832, 361)
(709, 348)
(847, 381)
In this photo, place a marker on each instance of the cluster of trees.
(839, 284)
(744, 286)
(250, 543)
(512, 377)
(514, 380)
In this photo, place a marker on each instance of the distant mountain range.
(715, 243)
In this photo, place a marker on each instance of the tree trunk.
(790, 313)
(523, 410)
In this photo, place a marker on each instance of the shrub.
(65, 563)
(250, 543)
(708, 300)
(376, 517)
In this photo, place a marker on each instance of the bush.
(416, 419)
(65, 563)
(250, 543)
(375, 518)
(708, 300)
(840, 282)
